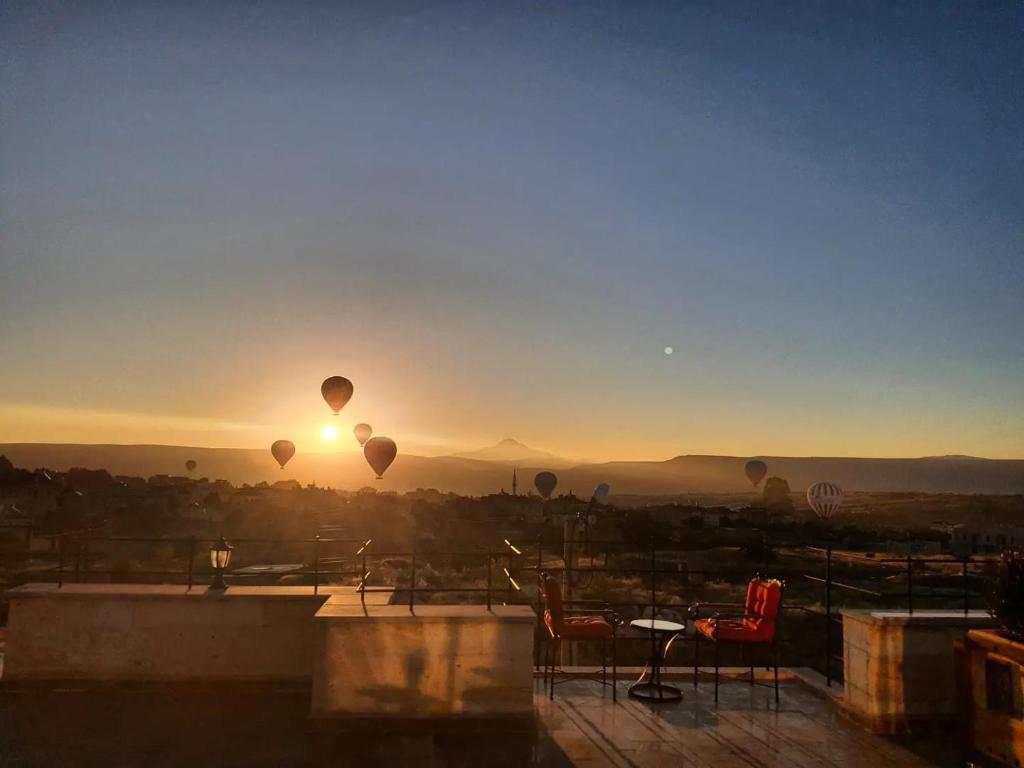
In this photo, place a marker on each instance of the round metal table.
(649, 686)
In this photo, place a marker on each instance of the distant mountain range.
(490, 470)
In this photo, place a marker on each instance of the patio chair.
(577, 620)
(756, 627)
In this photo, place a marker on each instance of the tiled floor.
(82, 725)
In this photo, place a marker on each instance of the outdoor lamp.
(220, 556)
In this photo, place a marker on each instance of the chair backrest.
(766, 604)
(552, 600)
(750, 604)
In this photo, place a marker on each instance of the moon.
(669, 350)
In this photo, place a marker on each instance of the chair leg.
(555, 643)
(717, 643)
(615, 668)
(544, 656)
(604, 662)
(696, 656)
(549, 673)
(776, 660)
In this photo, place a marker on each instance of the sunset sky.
(494, 218)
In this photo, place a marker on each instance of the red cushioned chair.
(755, 627)
(576, 620)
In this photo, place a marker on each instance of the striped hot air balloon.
(825, 499)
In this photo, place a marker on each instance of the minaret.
(513, 481)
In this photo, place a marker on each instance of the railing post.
(828, 616)
(60, 560)
(910, 585)
(316, 564)
(963, 581)
(538, 633)
(85, 556)
(654, 576)
(412, 584)
(510, 571)
(191, 559)
(490, 559)
(654, 598)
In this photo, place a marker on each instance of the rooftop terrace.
(131, 725)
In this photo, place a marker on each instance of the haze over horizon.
(496, 220)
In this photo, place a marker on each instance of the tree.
(777, 496)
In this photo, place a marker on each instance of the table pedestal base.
(649, 686)
(649, 691)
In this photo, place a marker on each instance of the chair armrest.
(610, 616)
(695, 608)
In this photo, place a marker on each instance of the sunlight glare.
(329, 433)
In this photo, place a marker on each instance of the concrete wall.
(439, 662)
(899, 669)
(150, 632)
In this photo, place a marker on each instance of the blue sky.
(494, 217)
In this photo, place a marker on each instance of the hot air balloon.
(379, 453)
(283, 450)
(756, 470)
(190, 465)
(545, 483)
(337, 390)
(825, 499)
(601, 494)
(362, 432)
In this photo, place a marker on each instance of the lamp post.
(220, 556)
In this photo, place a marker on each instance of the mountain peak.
(511, 451)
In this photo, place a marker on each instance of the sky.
(495, 218)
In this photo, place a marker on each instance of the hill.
(475, 476)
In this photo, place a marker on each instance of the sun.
(329, 433)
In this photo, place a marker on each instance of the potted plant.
(994, 661)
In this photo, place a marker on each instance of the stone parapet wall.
(899, 669)
(441, 661)
(111, 632)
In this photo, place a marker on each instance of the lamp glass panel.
(219, 558)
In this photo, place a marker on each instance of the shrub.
(1006, 594)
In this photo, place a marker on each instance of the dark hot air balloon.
(362, 432)
(601, 494)
(337, 390)
(545, 483)
(190, 465)
(825, 499)
(756, 470)
(283, 450)
(379, 453)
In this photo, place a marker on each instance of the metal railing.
(77, 558)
